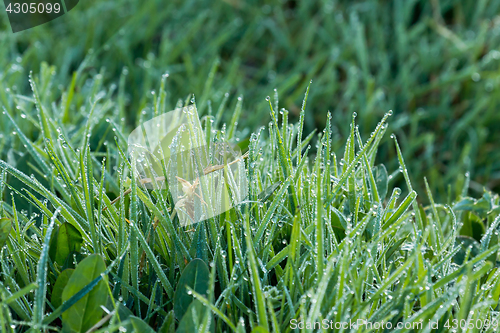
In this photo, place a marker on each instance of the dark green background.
(435, 65)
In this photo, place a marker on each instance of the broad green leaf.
(465, 204)
(472, 226)
(122, 310)
(139, 325)
(66, 241)
(338, 219)
(87, 311)
(61, 282)
(193, 318)
(196, 276)
(481, 206)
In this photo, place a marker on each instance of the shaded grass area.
(434, 63)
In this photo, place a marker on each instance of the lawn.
(365, 190)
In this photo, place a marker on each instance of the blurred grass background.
(435, 63)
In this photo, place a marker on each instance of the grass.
(353, 211)
(330, 237)
(435, 63)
